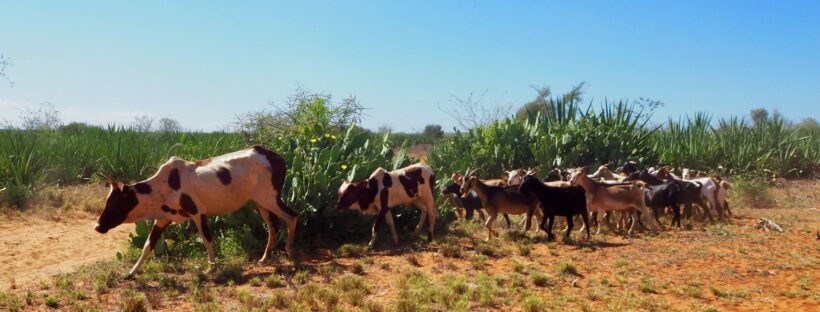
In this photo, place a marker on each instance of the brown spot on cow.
(277, 167)
(174, 180)
(224, 175)
(410, 181)
(187, 204)
(387, 181)
(165, 208)
(156, 233)
(142, 188)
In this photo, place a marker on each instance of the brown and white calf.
(183, 190)
(414, 184)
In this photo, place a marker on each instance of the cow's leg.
(423, 217)
(726, 206)
(432, 214)
(380, 218)
(273, 231)
(150, 243)
(274, 203)
(388, 218)
(201, 222)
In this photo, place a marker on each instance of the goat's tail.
(725, 185)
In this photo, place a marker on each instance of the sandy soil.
(34, 249)
(732, 266)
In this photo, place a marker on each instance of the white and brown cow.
(414, 184)
(183, 190)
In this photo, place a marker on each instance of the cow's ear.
(111, 181)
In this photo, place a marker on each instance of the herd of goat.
(184, 190)
(572, 193)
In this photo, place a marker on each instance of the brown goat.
(602, 198)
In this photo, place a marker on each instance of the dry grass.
(732, 266)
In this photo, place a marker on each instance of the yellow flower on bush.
(344, 167)
(313, 140)
(332, 136)
(327, 135)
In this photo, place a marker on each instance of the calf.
(414, 184)
(182, 190)
(501, 199)
(560, 201)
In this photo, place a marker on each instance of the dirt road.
(33, 249)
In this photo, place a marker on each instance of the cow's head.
(120, 202)
(356, 195)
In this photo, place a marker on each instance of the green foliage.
(566, 135)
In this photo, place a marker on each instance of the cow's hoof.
(129, 276)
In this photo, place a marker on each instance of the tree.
(759, 116)
(384, 129)
(142, 123)
(471, 113)
(5, 62)
(46, 117)
(544, 104)
(433, 131)
(167, 124)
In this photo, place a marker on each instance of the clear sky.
(204, 62)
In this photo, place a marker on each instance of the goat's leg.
(726, 206)
(489, 223)
(705, 208)
(585, 218)
(550, 236)
(507, 218)
(150, 243)
(632, 227)
(676, 217)
(597, 218)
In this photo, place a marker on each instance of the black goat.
(471, 203)
(557, 201)
(689, 191)
(554, 175)
(661, 196)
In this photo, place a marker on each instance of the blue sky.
(204, 63)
